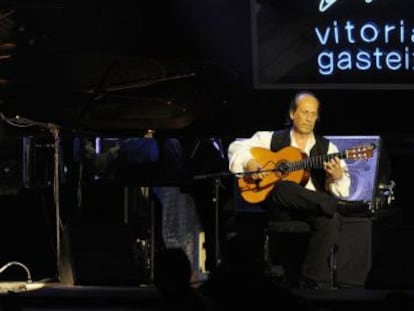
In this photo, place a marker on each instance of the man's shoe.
(359, 208)
(306, 283)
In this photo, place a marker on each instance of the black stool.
(298, 233)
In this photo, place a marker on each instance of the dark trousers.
(319, 210)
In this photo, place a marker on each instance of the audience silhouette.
(173, 279)
(240, 282)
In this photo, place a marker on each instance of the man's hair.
(294, 104)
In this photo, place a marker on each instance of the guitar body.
(256, 191)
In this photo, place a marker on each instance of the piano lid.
(101, 100)
(103, 67)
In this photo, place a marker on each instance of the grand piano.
(99, 78)
(109, 68)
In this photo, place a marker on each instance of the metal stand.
(217, 200)
(145, 190)
(56, 189)
(152, 239)
(332, 267)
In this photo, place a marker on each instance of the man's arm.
(239, 150)
(339, 187)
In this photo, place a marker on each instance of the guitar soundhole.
(283, 167)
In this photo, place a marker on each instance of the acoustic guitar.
(289, 164)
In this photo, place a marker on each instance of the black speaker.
(355, 251)
(353, 256)
(392, 267)
(99, 254)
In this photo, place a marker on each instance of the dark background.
(63, 49)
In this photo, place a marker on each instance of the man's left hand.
(333, 168)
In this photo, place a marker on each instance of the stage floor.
(21, 296)
(34, 296)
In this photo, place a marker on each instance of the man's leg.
(324, 235)
(295, 198)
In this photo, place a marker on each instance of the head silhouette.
(172, 271)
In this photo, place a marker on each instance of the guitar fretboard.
(314, 162)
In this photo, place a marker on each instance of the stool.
(296, 227)
(281, 223)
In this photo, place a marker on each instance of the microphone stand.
(217, 185)
(56, 189)
(216, 200)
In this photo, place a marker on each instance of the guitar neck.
(315, 161)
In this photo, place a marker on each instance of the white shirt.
(239, 154)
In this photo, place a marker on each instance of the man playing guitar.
(296, 170)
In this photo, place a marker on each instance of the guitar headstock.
(360, 152)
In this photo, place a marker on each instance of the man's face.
(306, 114)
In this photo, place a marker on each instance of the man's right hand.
(254, 166)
